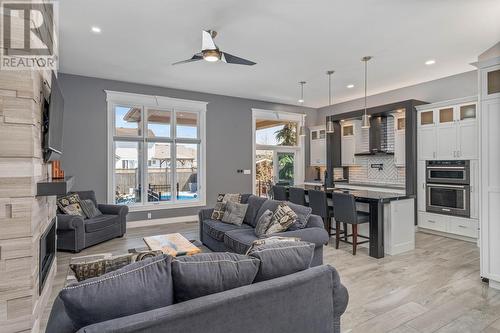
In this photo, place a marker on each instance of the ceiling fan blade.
(231, 59)
(207, 41)
(195, 57)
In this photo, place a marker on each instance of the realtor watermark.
(29, 35)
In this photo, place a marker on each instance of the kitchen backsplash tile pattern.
(364, 173)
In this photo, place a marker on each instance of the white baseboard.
(446, 234)
(494, 284)
(169, 220)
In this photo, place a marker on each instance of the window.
(157, 146)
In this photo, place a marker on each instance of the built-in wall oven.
(448, 187)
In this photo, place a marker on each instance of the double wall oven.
(448, 187)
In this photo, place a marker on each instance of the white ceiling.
(290, 40)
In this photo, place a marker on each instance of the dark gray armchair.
(74, 233)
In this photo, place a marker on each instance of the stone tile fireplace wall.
(23, 216)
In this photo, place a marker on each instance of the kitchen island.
(392, 220)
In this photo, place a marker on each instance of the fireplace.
(47, 253)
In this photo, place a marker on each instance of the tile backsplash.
(364, 173)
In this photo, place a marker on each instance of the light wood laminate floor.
(434, 288)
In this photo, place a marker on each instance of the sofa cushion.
(210, 273)
(282, 219)
(89, 208)
(239, 241)
(138, 287)
(263, 223)
(235, 213)
(216, 229)
(254, 204)
(100, 222)
(70, 204)
(303, 214)
(244, 197)
(281, 257)
(220, 205)
(268, 204)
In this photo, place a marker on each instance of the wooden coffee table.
(173, 244)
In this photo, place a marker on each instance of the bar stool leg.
(354, 238)
(345, 232)
(337, 234)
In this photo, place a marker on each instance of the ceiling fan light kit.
(210, 52)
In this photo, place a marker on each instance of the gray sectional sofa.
(143, 298)
(221, 237)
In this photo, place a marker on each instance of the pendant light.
(329, 123)
(365, 120)
(302, 131)
(301, 99)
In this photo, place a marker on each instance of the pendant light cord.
(366, 81)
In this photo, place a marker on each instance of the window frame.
(144, 102)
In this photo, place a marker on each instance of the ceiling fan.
(210, 52)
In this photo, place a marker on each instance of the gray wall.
(229, 136)
(456, 86)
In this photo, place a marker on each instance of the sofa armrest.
(121, 210)
(205, 214)
(69, 222)
(315, 221)
(315, 235)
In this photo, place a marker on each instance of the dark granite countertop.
(363, 195)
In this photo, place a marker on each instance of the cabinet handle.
(431, 221)
(462, 226)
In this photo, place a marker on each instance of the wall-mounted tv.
(52, 135)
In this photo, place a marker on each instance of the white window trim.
(114, 98)
(299, 149)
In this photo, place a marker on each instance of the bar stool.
(345, 212)
(279, 193)
(297, 196)
(319, 205)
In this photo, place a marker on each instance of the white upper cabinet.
(399, 141)
(317, 145)
(448, 132)
(350, 138)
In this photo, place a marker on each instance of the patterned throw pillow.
(89, 208)
(282, 219)
(235, 213)
(70, 205)
(263, 223)
(220, 206)
(90, 269)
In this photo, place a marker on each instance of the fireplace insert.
(47, 253)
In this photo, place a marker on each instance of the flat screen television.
(53, 122)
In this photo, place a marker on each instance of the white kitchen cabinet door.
(348, 149)
(446, 142)
(318, 152)
(468, 140)
(427, 143)
(421, 186)
(399, 148)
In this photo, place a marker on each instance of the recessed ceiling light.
(95, 30)
(430, 62)
(301, 100)
(350, 86)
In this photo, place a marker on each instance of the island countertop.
(361, 195)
